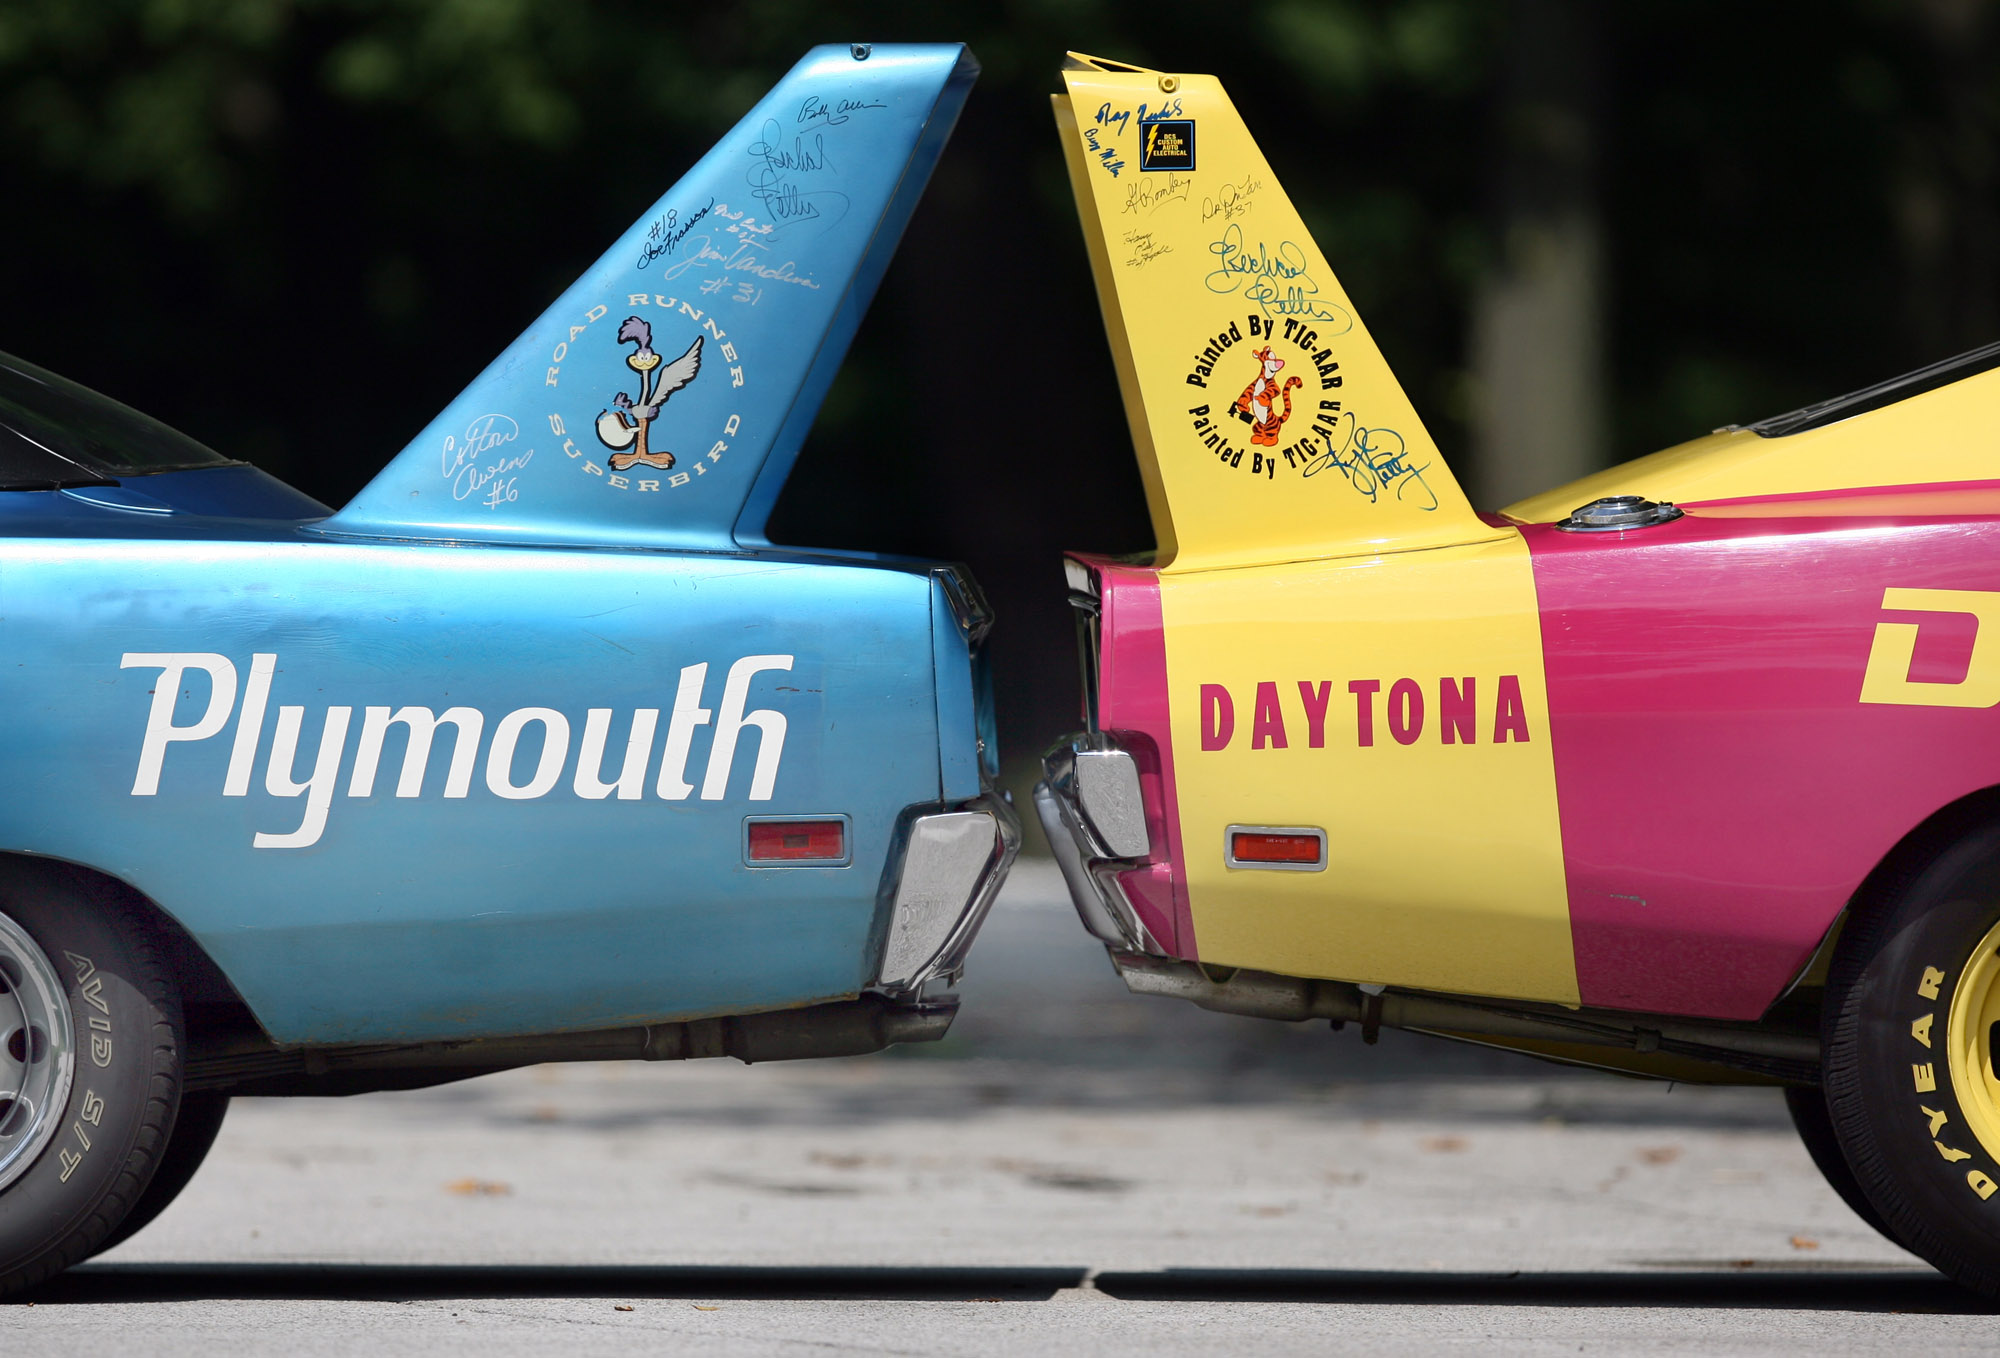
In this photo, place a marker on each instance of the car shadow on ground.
(1674, 1284)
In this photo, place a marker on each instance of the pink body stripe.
(1723, 790)
(1132, 696)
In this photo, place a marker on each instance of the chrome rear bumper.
(951, 868)
(1089, 806)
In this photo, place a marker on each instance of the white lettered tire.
(90, 1068)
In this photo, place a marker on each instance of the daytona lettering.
(1454, 711)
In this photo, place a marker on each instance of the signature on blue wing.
(833, 114)
(668, 230)
(749, 256)
(784, 174)
(1375, 463)
(480, 465)
(748, 253)
(1275, 278)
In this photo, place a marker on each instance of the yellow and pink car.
(1688, 769)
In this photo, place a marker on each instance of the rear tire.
(195, 1130)
(1815, 1128)
(85, 1152)
(1913, 1011)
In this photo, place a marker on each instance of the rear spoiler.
(663, 398)
(1267, 424)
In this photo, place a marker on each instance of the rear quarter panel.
(430, 916)
(1288, 685)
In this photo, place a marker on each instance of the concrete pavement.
(1074, 1166)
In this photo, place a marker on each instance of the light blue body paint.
(215, 690)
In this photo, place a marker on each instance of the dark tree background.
(296, 228)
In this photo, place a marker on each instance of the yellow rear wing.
(1267, 424)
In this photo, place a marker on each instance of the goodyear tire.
(195, 1129)
(1913, 1012)
(90, 1041)
(1815, 1128)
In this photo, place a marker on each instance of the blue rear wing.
(662, 400)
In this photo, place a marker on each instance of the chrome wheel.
(37, 1051)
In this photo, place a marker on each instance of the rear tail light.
(1291, 848)
(780, 841)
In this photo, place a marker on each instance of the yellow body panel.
(1445, 867)
(1940, 436)
(1201, 263)
(1114, 326)
(1310, 534)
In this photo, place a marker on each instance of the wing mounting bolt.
(1615, 512)
(1169, 83)
(861, 50)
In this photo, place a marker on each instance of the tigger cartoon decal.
(1257, 405)
(624, 427)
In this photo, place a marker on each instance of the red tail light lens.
(796, 841)
(1277, 848)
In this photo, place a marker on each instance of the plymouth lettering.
(524, 759)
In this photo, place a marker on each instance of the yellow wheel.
(1970, 1031)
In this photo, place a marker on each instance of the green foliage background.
(295, 228)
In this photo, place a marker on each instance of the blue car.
(538, 750)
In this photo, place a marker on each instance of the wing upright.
(762, 259)
(1267, 423)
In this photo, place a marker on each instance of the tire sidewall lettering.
(1924, 990)
(1897, 1112)
(123, 1089)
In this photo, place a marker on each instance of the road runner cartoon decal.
(625, 426)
